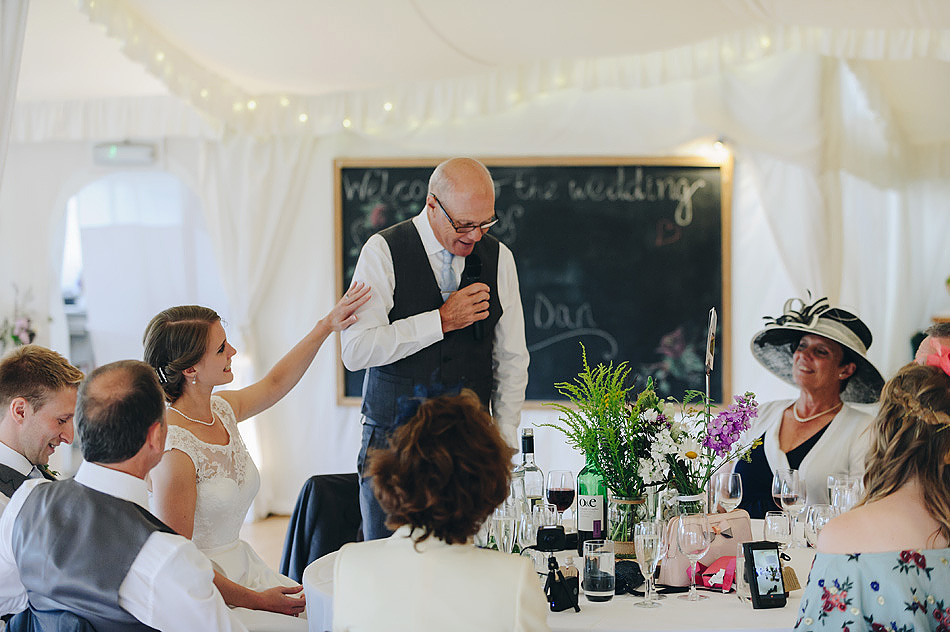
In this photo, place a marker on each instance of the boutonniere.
(49, 471)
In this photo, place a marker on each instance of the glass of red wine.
(560, 491)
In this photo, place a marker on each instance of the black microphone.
(472, 274)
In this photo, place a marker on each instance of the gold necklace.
(807, 419)
(203, 423)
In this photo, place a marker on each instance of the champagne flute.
(728, 486)
(560, 491)
(692, 537)
(793, 502)
(503, 527)
(647, 541)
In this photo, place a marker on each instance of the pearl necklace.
(806, 419)
(198, 421)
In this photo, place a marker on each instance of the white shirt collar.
(429, 241)
(12, 458)
(114, 483)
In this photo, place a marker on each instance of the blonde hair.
(34, 373)
(911, 439)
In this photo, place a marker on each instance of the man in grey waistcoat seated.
(37, 400)
(89, 545)
(445, 309)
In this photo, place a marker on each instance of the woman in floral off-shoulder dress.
(885, 565)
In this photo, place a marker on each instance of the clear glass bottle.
(528, 473)
(591, 505)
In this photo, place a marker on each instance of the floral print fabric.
(903, 591)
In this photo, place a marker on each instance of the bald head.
(458, 175)
(116, 407)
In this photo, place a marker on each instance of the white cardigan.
(393, 585)
(840, 450)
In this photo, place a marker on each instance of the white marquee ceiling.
(308, 51)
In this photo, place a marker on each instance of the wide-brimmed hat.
(772, 346)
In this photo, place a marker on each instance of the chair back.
(326, 516)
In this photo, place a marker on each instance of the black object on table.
(326, 516)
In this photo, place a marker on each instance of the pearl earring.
(194, 380)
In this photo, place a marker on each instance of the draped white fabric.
(12, 28)
(830, 195)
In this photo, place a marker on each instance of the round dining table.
(719, 613)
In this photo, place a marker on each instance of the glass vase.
(692, 504)
(622, 518)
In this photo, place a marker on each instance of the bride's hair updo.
(175, 340)
(911, 439)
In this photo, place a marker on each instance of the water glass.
(778, 528)
(728, 490)
(743, 591)
(647, 540)
(599, 570)
(845, 491)
(528, 527)
(693, 539)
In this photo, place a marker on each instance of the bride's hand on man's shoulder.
(344, 313)
(283, 599)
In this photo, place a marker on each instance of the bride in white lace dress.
(206, 480)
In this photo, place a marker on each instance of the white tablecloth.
(719, 613)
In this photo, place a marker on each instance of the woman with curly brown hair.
(887, 562)
(443, 474)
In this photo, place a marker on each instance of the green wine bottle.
(591, 505)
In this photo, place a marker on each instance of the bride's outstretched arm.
(261, 395)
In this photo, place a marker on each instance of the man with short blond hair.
(37, 401)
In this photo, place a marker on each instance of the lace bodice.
(227, 479)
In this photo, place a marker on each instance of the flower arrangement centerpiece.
(689, 449)
(615, 432)
(17, 330)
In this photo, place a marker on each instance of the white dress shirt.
(373, 341)
(170, 583)
(13, 459)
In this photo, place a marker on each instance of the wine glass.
(528, 527)
(728, 488)
(779, 477)
(816, 517)
(778, 528)
(793, 502)
(692, 537)
(647, 540)
(560, 491)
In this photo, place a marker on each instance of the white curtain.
(12, 28)
(254, 196)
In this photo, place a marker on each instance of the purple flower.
(724, 429)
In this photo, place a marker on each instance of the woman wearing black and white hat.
(823, 351)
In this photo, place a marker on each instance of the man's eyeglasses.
(465, 228)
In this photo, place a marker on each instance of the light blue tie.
(447, 283)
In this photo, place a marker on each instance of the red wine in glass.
(560, 491)
(563, 498)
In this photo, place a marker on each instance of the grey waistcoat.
(73, 547)
(456, 360)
